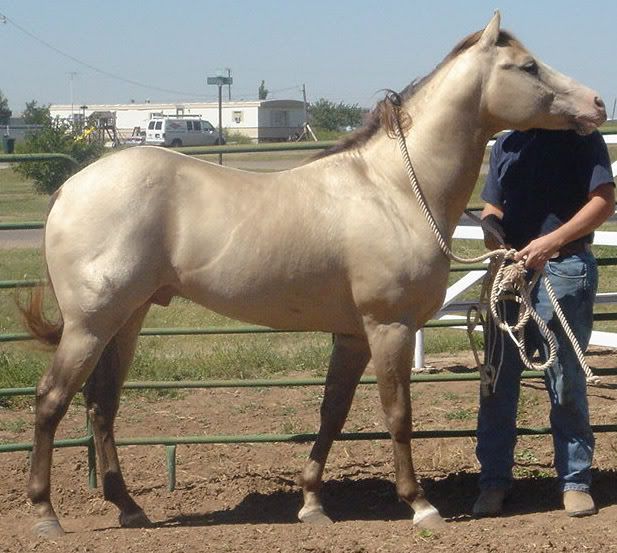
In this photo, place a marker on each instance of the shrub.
(56, 136)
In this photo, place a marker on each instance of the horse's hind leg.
(77, 353)
(347, 363)
(391, 349)
(102, 394)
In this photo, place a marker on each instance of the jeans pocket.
(571, 267)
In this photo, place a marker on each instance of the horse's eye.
(530, 67)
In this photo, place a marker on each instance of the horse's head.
(520, 92)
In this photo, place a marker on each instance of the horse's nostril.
(599, 102)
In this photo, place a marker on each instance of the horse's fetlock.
(37, 493)
(114, 488)
(310, 480)
(409, 491)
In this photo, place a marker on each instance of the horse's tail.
(36, 321)
(33, 314)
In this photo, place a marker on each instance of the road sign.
(220, 81)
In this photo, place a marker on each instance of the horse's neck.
(446, 147)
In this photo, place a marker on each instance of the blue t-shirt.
(541, 178)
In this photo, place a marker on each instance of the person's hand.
(538, 252)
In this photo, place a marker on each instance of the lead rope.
(509, 279)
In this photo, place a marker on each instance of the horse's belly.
(281, 308)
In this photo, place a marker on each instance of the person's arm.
(491, 217)
(600, 206)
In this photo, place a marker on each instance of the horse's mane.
(384, 114)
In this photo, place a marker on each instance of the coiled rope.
(509, 277)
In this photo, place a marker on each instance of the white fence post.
(418, 357)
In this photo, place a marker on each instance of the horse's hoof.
(314, 515)
(137, 519)
(428, 519)
(48, 528)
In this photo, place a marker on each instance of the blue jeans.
(575, 280)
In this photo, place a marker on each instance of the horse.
(338, 244)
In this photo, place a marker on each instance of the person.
(545, 193)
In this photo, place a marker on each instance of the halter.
(509, 279)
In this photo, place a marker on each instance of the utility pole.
(305, 107)
(306, 130)
(220, 81)
(228, 84)
(72, 75)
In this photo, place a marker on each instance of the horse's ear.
(491, 32)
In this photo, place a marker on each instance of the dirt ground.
(237, 498)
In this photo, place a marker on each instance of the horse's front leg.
(391, 350)
(349, 358)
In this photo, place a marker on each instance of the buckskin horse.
(337, 245)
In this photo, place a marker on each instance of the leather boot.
(578, 503)
(489, 502)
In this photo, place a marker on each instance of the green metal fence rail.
(188, 331)
(13, 158)
(256, 148)
(22, 226)
(171, 442)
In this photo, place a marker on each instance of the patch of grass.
(526, 472)
(18, 201)
(426, 534)
(15, 426)
(438, 340)
(527, 403)
(289, 427)
(242, 357)
(526, 456)
(22, 263)
(20, 369)
(460, 415)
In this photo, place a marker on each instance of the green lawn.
(17, 201)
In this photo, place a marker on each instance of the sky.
(87, 52)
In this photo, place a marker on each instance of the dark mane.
(383, 113)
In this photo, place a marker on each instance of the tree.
(263, 91)
(5, 112)
(327, 115)
(36, 115)
(56, 136)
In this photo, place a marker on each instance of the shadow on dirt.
(375, 499)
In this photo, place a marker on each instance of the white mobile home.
(261, 120)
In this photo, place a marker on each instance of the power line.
(5, 19)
